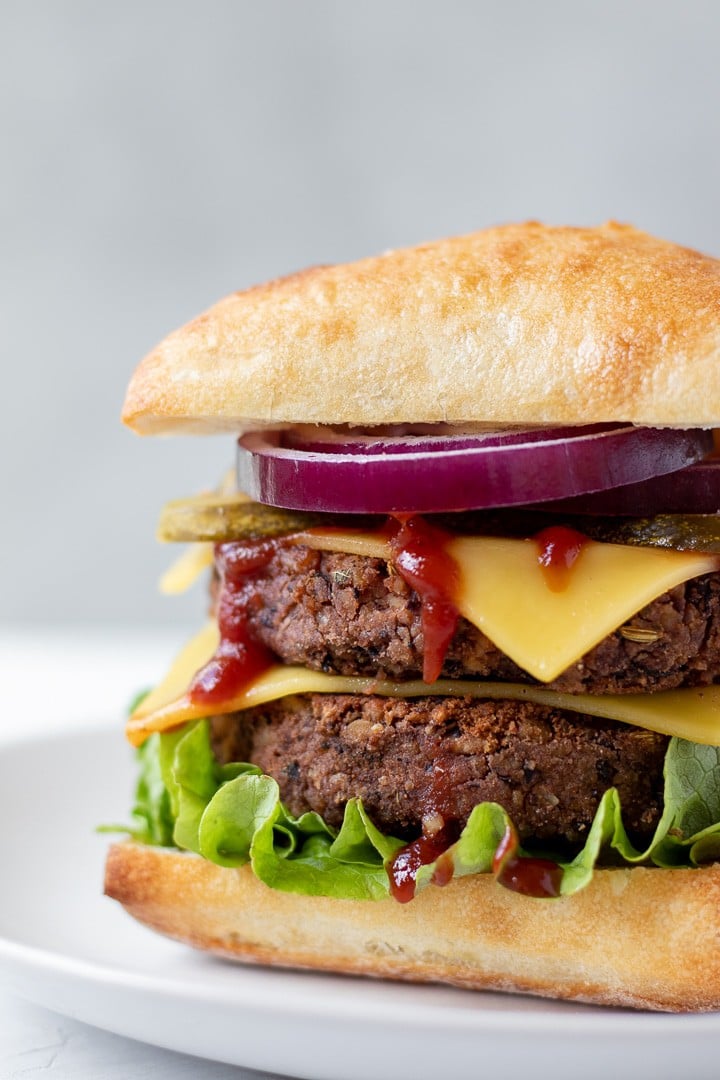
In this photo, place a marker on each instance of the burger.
(455, 713)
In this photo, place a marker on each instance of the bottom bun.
(646, 938)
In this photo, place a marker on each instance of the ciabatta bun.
(522, 324)
(646, 938)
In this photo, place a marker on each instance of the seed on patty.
(416, 761)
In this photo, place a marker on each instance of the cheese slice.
(189, 660)
(186, 569)
(371, 545)
(505, 594)
(692, 713)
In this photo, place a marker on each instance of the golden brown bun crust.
(525, 324)
(645, 938)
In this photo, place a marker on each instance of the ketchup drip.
(531, 877)
(558, 551)
(402, 870)
(238, 658)
(420, 557)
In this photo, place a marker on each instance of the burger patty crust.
(352, 615)
(425, 759)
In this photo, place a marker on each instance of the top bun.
(521, 324)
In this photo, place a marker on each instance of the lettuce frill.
(232, 814)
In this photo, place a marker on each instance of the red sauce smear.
(559, 549)
(402, 870)
(421, 558)
(531, 877)
(440, 831)
(444, 869)
(238, 659)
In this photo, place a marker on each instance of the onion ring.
(695, 490)
(438, 474)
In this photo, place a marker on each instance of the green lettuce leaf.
(152, 818)
(692, 806)
(233, 814)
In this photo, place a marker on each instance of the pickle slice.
(682, 532)
(228, 517)
(217, 517)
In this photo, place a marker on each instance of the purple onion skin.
(472, 477)
(694, 490)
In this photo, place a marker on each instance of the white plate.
(65, 946)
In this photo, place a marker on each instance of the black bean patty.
(352, 615)
(411, 760)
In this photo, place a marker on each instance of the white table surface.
(87, 676)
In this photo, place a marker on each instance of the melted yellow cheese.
(189, 660)
(186, 569)
(505, 594)
(692, 714)
(371, 545)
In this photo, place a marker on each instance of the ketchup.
(402, 870)
(531, 877)
(421, 558)
(558, 551)
(238, 658)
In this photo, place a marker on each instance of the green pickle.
(226, 517)
(682, 532)
(218, 517)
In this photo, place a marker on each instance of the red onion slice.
(695, 490)
(439, 474)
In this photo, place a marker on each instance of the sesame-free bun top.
(520, 324)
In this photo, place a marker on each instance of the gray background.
(157, 155)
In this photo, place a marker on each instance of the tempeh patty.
(411, 760)
(352, 615)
